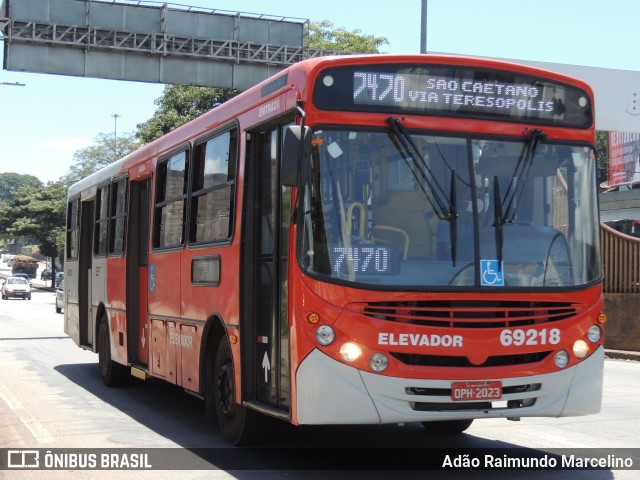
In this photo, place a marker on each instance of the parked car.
(17, 287)
(60, 297)
(46, 274)
(23, 275)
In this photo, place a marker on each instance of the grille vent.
(468, 314)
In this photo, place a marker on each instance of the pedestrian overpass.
(150, 42)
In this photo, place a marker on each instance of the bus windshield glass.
(409, 209)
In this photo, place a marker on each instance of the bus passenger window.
(101, 222)
(170, 202)
(213, 187)
(73, 228)
(117, 216)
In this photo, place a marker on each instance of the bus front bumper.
(330, 392)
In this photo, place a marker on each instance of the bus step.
(138, 373)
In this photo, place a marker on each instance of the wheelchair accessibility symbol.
(490, 274)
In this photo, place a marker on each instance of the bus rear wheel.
(112, 373)
(238, 424)
(447, 426)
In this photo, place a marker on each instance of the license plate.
(465, 391)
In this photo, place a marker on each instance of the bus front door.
(266, 231)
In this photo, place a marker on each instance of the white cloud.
(68, 143)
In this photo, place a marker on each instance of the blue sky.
(43, 123)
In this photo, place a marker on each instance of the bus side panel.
(116, 288)
(97, 279)
(109, 289)
(189, 354)
(118, 327)
(164, 284)
(203, 299)
(164, 353)
(71, 315)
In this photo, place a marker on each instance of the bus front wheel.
(237, 423)
(447, 426)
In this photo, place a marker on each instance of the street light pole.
(115, 134)
(115, 125)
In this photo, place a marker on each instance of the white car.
(16, 287)
(60, 297)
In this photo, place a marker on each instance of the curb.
(622, 355)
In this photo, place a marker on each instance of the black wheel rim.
(225, 386)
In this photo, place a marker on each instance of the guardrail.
(620, 260)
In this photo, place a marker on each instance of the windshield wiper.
(453, 224)
(442, 207)
(523, 168)
(497, 215)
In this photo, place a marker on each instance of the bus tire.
(445, 427)
(112, 373)
(237, 423)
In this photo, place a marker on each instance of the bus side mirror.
(295, 149)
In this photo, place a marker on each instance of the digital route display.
(452, 91)
(364, 259)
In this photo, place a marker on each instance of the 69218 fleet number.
(519, 337)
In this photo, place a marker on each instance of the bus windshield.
(411, 209)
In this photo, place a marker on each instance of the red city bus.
(356, 240)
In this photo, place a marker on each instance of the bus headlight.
(325, 335)
(350, 352)
(580, 349)
(561, 359)
(378, 362)
(594, 334)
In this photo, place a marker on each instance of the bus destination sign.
(453, 91)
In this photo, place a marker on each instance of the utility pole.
(423, 27)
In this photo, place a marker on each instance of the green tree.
(38, 213)
(12, 182)
(178, 105)
(323, 35)
(105, 150)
